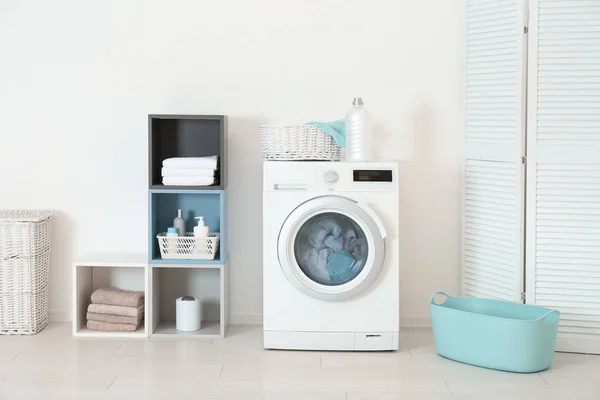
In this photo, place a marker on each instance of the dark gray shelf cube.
(186, 136)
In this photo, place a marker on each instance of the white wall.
(78, 78)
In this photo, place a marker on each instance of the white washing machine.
(331, 256)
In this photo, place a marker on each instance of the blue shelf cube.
(163, 206)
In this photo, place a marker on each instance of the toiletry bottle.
(172, 243)
(358, 135)
(201, 231)
(179, 223)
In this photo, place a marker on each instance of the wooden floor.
(53, 365)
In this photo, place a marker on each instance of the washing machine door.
(331, 247)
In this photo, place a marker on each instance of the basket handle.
(551, 317)
(432, 300)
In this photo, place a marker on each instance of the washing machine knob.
(331, 177)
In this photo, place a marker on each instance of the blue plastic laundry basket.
(494, 334)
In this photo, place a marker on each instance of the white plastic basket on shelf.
(188, 247)
(25, 237)
(298, 142)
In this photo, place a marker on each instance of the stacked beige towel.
(115, 310)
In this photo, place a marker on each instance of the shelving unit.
(208, 280)
(164, 280)
(125, 271)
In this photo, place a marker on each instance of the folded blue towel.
(335, 129)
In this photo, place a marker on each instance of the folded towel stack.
(189, 171)
(115, 310)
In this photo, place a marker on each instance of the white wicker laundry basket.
(298, 142)
(25, 237)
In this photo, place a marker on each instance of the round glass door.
(331, 247)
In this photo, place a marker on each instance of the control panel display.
(379, 175)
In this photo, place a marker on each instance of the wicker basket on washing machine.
(298, 142)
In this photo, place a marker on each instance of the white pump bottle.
(201, 230)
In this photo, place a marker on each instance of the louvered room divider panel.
(563, 178)
(494, 124)
(491, 240)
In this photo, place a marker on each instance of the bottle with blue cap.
(172, 241)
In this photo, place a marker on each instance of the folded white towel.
(188, 172)
(192, 162)
(188, 180)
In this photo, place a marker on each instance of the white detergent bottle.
(179, 224)
(358, 134)
(201, 230)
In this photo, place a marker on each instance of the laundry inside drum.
(331, 249)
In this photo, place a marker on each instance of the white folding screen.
(493, 233)
(563, 168)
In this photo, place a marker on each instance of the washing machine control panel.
(338, 176)
(354, 178)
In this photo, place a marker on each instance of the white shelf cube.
(125, 271)
(207, 282)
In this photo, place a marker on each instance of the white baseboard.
(246, 319)
(416, 323)
(240, 319)
(59, 316)
(257, 319)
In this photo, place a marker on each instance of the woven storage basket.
(25, 237)
(24, 233)
(298, 142)
(24, 274)
(23, 313)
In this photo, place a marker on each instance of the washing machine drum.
(331, 247)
